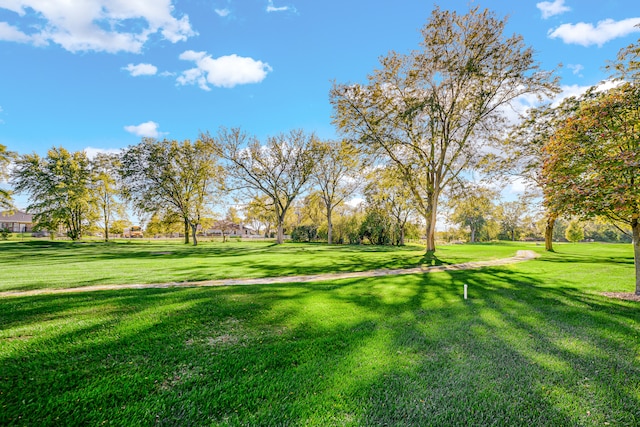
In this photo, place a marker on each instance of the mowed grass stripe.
(40, 264)
(535, 344)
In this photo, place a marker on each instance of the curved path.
(519, 257)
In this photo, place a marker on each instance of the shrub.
(304, 233)
(574, 232)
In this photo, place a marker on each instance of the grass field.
(535, 343)
(39, 264)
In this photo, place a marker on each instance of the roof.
(16, 216)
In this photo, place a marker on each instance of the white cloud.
(94, 25)
(141, 69)
(93, 152)
(520, 106)
(225, 71)
(518, 185)
(222, 12)
(575, 68)
(147, 129)
(13, 34)
(550, 9)
(272, 8)
(586, 34)
(355, 202)
(568, 91)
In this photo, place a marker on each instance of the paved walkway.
(519, 257)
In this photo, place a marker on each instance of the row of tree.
(481, 216)
(182, 180)
(425, 120)
(436, 113)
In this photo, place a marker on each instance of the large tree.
(386, 192)
(259, 213)
(511, 215)
(337, 176)
(474, 208)
(59, 189)
(280, 169)
(5, 159)
(523, 152)
(593, 162)
(171, 177)
(104, 183)
(432, 111)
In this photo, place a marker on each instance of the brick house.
(16, 221)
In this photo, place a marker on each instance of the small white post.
(465, 291)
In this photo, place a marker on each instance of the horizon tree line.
(428, 118)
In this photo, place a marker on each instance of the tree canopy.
(104, 184)
(474, 208)
(432, 111)
(59, 189)
(5, 159)
(593, 159)
(280, 169)
(335, 174)
(523, 152)
(171, 177)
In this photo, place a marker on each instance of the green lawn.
(535, 343)
(60, 264)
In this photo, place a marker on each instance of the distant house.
(229, 229)
(16, 221)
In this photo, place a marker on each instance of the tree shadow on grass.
(403, 350)
(515, 353)
(431, 259)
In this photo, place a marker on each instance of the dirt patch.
(627, 296)
(225, 339)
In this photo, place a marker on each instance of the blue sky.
(100, 74)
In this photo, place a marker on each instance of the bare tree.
(280, 169)
(432, 111)
(338, 176)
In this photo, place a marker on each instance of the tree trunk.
(431, 217)
(402, 236)
(280, 236)
(105, 212)
(280, 214)
(194, 228)
(635, 229)
(548, 232)
(329, 226)
(186, 231)
(473, 235)
(431, 233)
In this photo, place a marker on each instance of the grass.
(535, 344)
(45, 264)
